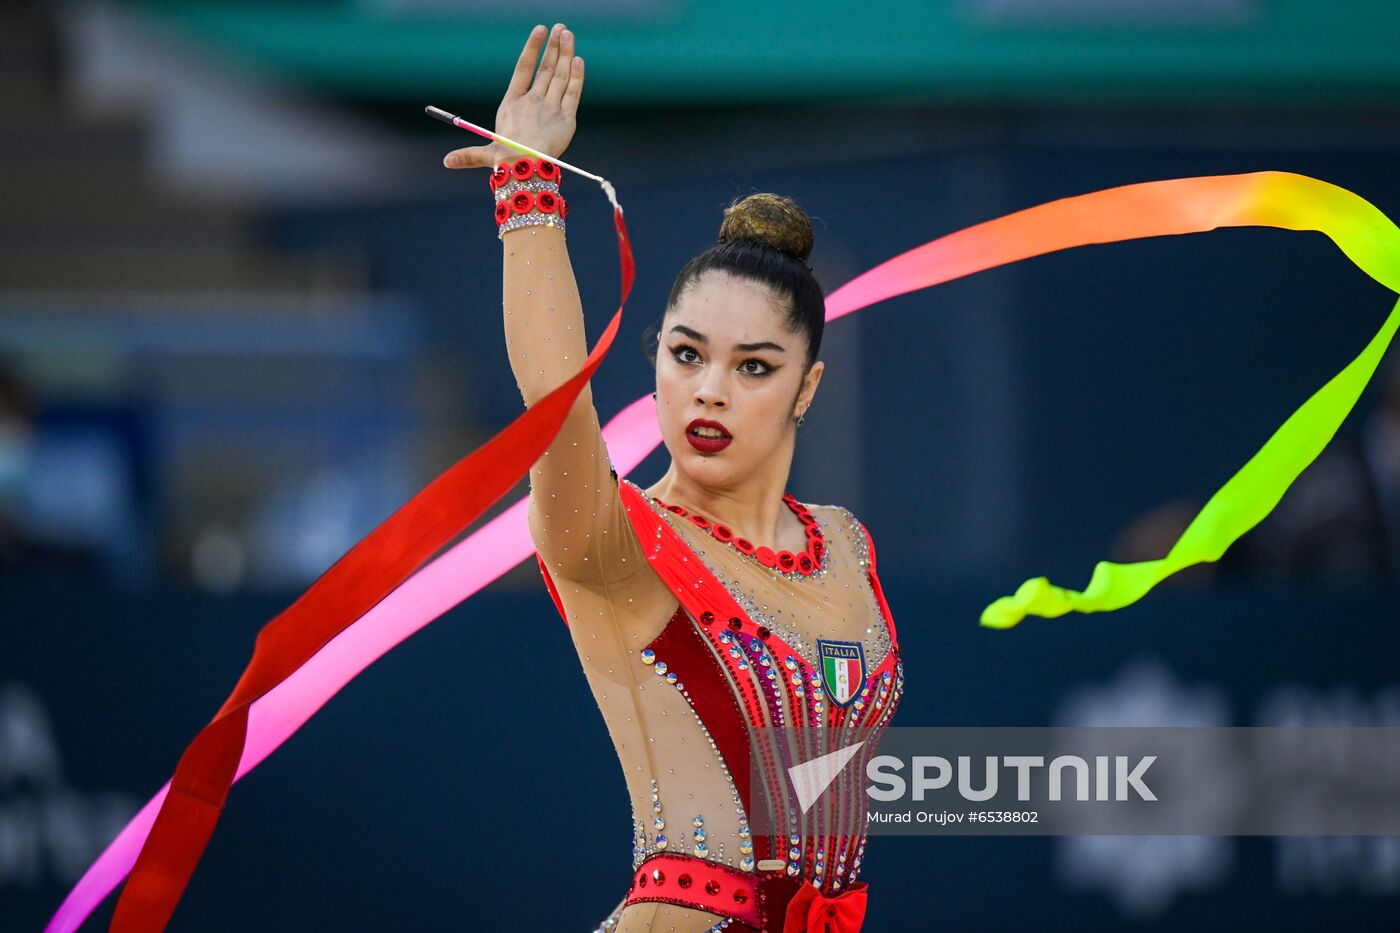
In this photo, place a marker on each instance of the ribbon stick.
(457, 121)
(296, 670)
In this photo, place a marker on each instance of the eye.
(766, 368)
(678, 352)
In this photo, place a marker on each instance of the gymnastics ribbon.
(358, 581)
(367, 602)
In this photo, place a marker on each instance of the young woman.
(712, 604)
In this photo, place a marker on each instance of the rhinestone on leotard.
(790, 688)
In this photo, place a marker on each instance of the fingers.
(569, 103)
(562, 68)
(551, 55)
(471, 157)
(525, 67)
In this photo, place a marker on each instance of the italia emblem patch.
(843, 669)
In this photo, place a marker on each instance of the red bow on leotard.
(811, 911)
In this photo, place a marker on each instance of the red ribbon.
(811, 911)
(353, 585)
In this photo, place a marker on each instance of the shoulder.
(839, 521)
(834, 515)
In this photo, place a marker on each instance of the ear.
(809, 385)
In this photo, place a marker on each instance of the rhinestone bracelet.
(532, 219)
(526, 192)
(530, 208)
(533, 184)
(521, 169)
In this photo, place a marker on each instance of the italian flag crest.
(843, 669)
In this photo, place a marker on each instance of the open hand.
(539, 107)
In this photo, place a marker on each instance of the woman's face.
(726, 355)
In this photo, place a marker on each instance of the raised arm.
(576, 519)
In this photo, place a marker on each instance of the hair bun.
(771, 219)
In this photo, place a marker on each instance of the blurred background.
(245, 314)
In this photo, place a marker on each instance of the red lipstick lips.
(707, 445)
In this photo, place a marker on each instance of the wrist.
(511, 156)
(526, 193)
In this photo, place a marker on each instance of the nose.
(705, 401)
(712, 390)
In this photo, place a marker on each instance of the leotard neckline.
(792, 565)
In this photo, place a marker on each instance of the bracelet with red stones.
(522, 169)
(519, 207)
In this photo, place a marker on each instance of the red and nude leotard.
(692, 640)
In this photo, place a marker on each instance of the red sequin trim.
(702, 885)
(523, 168)
(806, 562)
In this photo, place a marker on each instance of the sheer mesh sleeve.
(576, 517)
(580, 528)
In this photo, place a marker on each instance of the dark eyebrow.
(744, 347)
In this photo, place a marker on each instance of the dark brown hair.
(764, 238)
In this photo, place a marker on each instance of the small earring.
(653, 395)
(800, 418)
